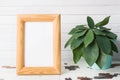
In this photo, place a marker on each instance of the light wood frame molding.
(21, 69)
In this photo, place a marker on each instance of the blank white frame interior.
(38, 44)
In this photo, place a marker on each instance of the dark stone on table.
(115, 74)
(115, 65)
(71, 67)
(106, 76)
(68, 79)
(65, 63)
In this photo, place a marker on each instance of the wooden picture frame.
(21, 68)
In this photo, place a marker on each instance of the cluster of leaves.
(93, 41)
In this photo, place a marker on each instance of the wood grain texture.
(20, 45)
(20, 67)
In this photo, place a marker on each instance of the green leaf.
(113, 40)
(81, 27)
(77, 53)
(90, 22)
(105, 33)
(104, 44)
(77, 30)
(77, 35)
(76, 43)
(91, 53)
(103, 22)
(72, 31)
(99, 32)
(111, 35)
(69, 42)
(101, 59)
(104, 28)
(114, 47)
(89, 37)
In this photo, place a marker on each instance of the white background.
(72, 12)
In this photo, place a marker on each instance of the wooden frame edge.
(20, 68)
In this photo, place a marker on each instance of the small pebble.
(68, 79)
(115, 65)
(65, 63)
(71, 67)
(105, 76)
(115, 74)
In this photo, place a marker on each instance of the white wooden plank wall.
(72, 12)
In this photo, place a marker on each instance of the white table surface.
(10, 74)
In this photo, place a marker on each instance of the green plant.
(92, 42)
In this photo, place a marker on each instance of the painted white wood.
(83, 71)
(73, 12)
(65, 28)
(38, 44)
(68, 26)
(8, 20)
(81, 18)
(109, 10)
(59, 2)
(8, 59)
(65, 19)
